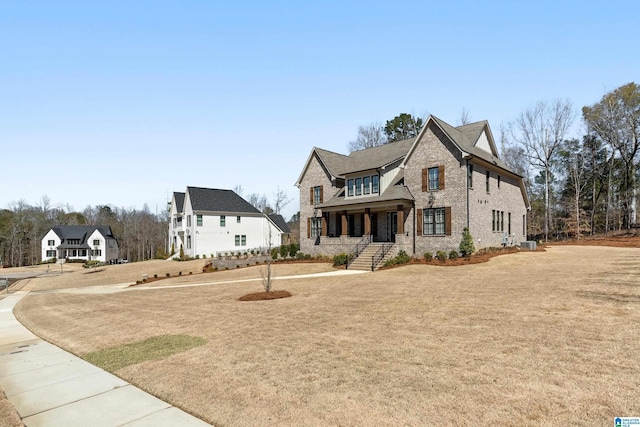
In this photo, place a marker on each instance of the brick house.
(418, 194)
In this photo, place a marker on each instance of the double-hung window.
(358, 186)
(199, 220)
(487, 180)
(223, 221)
(434, 181)
(316, 195)
(316, 227)
(366, 184)
(470, 176)
(375, 184)
(350, 187)
(434, 221)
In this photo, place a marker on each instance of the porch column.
(400, 219)
(367, 222)
(345, 224)
(325, 229)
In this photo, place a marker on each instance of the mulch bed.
(264, 296)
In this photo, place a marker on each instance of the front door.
(392, 226)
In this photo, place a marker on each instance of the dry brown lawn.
(534, 338)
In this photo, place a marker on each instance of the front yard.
(531, 338)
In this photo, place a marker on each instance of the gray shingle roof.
(216, 200)
(179, 197)
(461, 135)
(393, 192)
(376, 157)
(279, 221)
(80, 232)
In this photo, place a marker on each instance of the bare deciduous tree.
(369, 136)
(464, 117)
(259, 202)
(616, 120)
(540, 130)
(280, 200)
(265, 271)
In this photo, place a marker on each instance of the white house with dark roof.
(416, 195)
(209, 221)
(79, 242)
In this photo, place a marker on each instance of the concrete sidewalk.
(51, 387)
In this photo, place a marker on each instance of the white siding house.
(208, 222)
(79, 242)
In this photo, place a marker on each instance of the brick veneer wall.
(314, 175)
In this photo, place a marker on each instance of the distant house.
(73, 242)
(209, 221)
(418, 194)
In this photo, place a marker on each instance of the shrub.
(341, 259)
(453, 254)
(197, 256)
(274, 253)
(428, 256)
(401, 258)
(180, 273)
(307, 256)
(215, 268)
(441, 255)
(293, 250)
(284, 251)
(155, 276)
(466, 245)
(168, 275)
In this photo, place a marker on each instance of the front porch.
(341, 230)
(349, 226)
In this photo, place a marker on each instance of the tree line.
(582, 185)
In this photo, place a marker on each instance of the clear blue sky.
(124, 102)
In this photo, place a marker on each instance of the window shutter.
(447, 221)
(419, 223)
(322, 194)
(311, 195)
(441, 177)
(309, 227)
(425, 180)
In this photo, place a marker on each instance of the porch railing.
(375, 259)
(363, 243)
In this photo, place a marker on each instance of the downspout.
(467, 185)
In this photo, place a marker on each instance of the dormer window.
(375, 184)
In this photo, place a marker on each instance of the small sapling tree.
(466, 244)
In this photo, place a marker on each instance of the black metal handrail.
(363, 243)
(375, 259)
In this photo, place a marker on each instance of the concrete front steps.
(363, 262)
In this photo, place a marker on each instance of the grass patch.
(154, 348)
